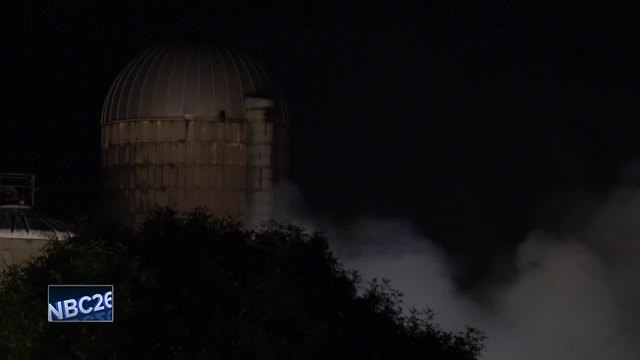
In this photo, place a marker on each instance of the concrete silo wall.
(183, 163)
(260, 176)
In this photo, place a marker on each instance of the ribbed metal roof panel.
(21, 222)
(200, 80)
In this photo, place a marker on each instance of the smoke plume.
(575, 295)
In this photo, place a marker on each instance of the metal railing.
(24, 184)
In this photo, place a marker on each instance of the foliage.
(197, 287)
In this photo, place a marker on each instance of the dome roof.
(22, 222)
(198, 80)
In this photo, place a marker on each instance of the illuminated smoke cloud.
(574, 297)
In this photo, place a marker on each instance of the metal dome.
(196, 80)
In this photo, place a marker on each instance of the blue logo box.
(80, 303)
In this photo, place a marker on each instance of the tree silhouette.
(197, 287)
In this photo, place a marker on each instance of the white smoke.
(574, 296)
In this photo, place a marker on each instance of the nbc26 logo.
(73, 303)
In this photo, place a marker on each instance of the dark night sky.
(472, 121)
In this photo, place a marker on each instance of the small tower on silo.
(192, 125)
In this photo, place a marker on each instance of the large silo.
(193, 125)
(23, 231)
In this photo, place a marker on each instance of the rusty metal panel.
(220, 170)
(144, 203)
(141, 176)
(190, 154)
(227, 154)
(238, 153)
(188, 183)
(205, 153)
(189, 127)
(231, 132)
(180, 199)
(173, 153)
(123, 132)
(114, 135)
(181, 154)
(214, 152)
(161, 198)
(243, 131)
(210, 173)
(166, 176)
(166, 153)
(214, 201)
(144, 130)
(172, 179)
(147, 152)
(173, 176)
(207, 180)
(151, 176)
(242, 148)
(228, 177)
(207, 131)
(122, 154)
(164, 131)
(217, 131)
(189, 204)
(218, 203)
(138, 153)
(241, 198)
(233, 202)
(242, 174)
(155, 130)
(234, 177)
(137, 126)
(181, 176)
(178, 130)
(155, 180)
(198, 177)
(136, 200)
(200, 198)
(171, 197)
(199, 153)
(131, 177)
(152, 153)
(227, 202)
(195, 131)
(132, 132)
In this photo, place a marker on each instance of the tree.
(197, 287)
